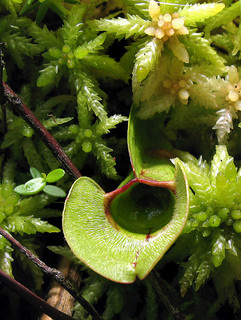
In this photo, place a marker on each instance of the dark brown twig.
(2, 98)
(55, 274)
(1, 75)
(39, 303)
(164, 295)
(16, 103)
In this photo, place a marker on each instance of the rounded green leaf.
(55, 175)
(35, 173)
(33, 186)
(54, 191)
(113, 249)
(21, 189)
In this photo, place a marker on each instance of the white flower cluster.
(164, 26)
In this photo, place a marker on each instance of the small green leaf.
(55, 175)
(54, 191)
(43, 175)
(33, 186)
(35, 173)
(21, 189)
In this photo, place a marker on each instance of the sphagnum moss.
(185, 61)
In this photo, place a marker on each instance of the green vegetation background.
(79, 65)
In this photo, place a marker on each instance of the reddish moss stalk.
(12, 98)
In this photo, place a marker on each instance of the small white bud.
(182, 31)
(167, 17)
(183, 94)
(169, 32)
(159, 33)
(177, 23)
(233, 96)
(160, 22)
(150, 31)
(237, 105)
(175, 15)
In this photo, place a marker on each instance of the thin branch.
(58, 297)
(2, 99)
(35, 300)
(165, 296)
(55, 274)
(12, 98)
